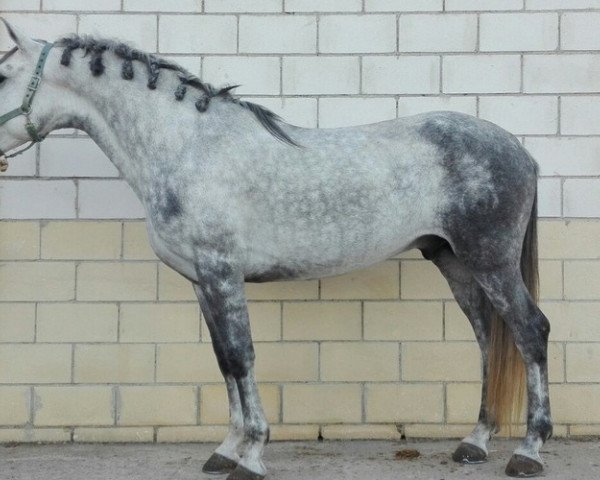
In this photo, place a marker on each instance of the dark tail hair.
(506, 372)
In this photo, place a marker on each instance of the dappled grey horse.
(234, 194)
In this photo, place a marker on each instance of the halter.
(25, 108)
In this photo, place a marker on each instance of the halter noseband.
(25, 108)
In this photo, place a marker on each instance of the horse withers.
(234, 194)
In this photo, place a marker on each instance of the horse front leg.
(220, 291)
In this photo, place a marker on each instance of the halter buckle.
(34, 83)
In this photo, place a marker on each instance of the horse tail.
(506, 371)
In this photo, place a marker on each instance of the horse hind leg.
(530, 329)
(474, 303)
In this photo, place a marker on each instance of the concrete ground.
(364, 460)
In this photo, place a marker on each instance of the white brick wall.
(532, 66)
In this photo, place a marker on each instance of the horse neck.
(137, 128)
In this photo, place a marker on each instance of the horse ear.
(23, 42)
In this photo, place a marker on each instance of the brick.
(573, 321)
(392, 403)
(518, 31)
(113, 435)
(579, 114)
(141, 29)
(17, 322)
(297, 111)
(265, 320)
(556, 362)
(378, 282)
(434, 361)
(15, 405)
(256, 75)
(415, 105)
(160, 322)
(20, 240)
(462, 402)
(575, 403)
(123, 202)
(549, 197)
(482, 74)
(322, 321)
(521, 115)
(422, 280)
(583, 362)
(579, 31)
(77, 322)
(403, 5)
(403, 321)
(161, 6)
(85, 5)
(172, 286)
(346, 112)
(207, 433)
(48, 26)
(114, 364)
(581, 197)
(12, 5)
(37, 199)
(192, 63)
(242, 6)
(356, 361)
(357, 34)
(551, 279)
(293, 432)
(192, 363)
(476, 5)
(584, 430)
(135, 242)
(320, 75)
(385, 74)
(322, 5)
(360, 432)
(561, 4)
(456, 324)
(37, 281)
(286, 362)
(81, 240)
(212, 34)
(214, 406)
(35, 435)
(25, 165)
(569, 239)
(294, 290)
(116, 281)
(560, 73)
(437, 33)
(323, 403)
(35, 363)
(172, 405)
(568, 156)
(278, 34)
(581, 280)
(74, 157)
(61, 406)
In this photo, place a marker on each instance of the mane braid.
(96, 47)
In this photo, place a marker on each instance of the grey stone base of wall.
(564, 459)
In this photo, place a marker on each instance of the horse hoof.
(242, 473)
(522, 466)
(218, 464)
(469, 453)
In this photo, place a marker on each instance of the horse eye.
(2, 78)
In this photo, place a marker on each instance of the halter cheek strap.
(26, 106)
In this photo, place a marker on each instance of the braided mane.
(95, 48)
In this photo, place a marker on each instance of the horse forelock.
(96, 47)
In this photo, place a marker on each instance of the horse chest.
(173, 252)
